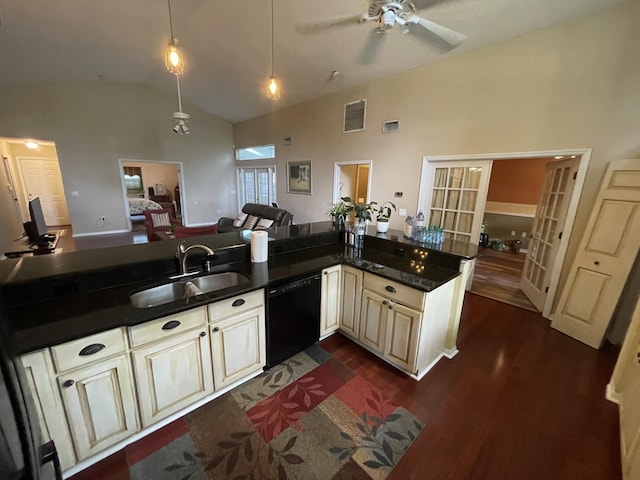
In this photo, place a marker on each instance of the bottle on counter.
(418, 227)
(408, 227)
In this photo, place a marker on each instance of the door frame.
(180, 165)
(336, 177)
(584, 155)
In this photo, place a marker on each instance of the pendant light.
(173, 57)
(273, 87)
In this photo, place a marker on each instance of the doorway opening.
(352, 179)
(32, 170)
(148, 185)
(546, 239)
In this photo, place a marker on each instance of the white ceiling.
(227, 44)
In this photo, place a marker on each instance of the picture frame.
(161, 189)
(299, 177)
(354, 116)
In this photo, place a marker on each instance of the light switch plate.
(403, 212)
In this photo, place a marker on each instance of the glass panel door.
(550, 215)
(455, 202)
(256, 185)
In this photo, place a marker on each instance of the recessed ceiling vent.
(391, 126)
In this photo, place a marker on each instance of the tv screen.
(37, 218)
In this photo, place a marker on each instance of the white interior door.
(456, 194)
(42, 178)
(606, 253)
(547, 229)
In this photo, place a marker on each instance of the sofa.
(255, 216)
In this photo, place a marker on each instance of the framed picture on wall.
(161, 189)
(299, 177)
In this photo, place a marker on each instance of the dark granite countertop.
(76, 302)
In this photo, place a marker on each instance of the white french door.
(256, 185)
(455, 197)
(545, 239)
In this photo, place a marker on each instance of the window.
(256, 185)
(133, 181)
(262, 152)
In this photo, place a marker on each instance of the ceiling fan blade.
(326, 23)
(371, 49)
(451, 37)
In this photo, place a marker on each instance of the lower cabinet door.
(330, 300)
(238, 347)
(172, 374)
(100, 403)
(403, 325)
(351, 298)
(373, 319)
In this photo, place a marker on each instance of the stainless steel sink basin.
(171, 292)
(218, 281)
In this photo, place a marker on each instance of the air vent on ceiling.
(391, 126)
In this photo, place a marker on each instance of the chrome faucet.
(182, 255)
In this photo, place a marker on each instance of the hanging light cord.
(273, 68)
(170, 20)
(179, 96)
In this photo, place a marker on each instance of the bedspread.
(138, 205)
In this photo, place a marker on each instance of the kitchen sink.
(170, 292)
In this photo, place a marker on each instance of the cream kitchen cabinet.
(405, 326)
(624, 388)
(350, 301)
(176, 371)
(40, 377)
(330, 301)
(237, 338)
(96, 386)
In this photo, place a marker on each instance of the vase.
(382, 227)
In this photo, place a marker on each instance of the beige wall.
(94, 125)
(574, 85)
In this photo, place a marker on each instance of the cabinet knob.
(390, 289)
(68, 383)
(390, 307)
(596, 263)
(384, 302)
(216, 329)
(203, 334)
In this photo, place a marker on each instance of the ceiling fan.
(388, 14)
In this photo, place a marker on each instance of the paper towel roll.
(259, 246)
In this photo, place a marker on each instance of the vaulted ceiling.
(227, 44)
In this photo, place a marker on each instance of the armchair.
(156, 221)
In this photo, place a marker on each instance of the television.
(38, 227)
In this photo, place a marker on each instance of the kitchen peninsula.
(75, 324)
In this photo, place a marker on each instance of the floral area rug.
(310, 417)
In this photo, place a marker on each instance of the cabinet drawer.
(88, 349)
(167, 326)
(395, 291)
(235, 305)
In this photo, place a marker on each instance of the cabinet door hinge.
(575, 175)
(560, 236)
(546, 290)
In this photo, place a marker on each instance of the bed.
(139, 205)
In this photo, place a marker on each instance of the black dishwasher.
(293, 317)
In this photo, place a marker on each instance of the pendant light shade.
(173, 58)
(273, 86)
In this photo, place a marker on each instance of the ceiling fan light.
(273, 88)
(173, 58)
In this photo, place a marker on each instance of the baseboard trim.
(451, 352)
(93, 234)
(611, 394)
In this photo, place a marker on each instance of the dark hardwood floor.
(497, 275)
(520, 401)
